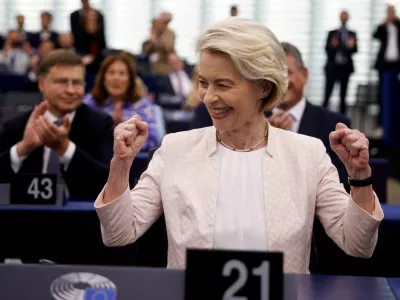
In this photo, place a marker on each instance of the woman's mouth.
(219, 112)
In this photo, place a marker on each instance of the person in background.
(66, 41)
(193, 100)
(234, 11)
(83, 34)
(61, 136)
(388, 58)
(20, 28)
(45, 48)
(46, 33)
(116, 93)
(341, 44)
(143, 61)
(178, 81)
(241, 184)
(163, 40)
(295, 113)
(14, 55)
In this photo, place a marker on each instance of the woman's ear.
(267, 89)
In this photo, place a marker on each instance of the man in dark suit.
(388, 58)
(21, 28)
(82, 38)
(178, 81)
(61, 136)
(45, 34)
(340, 46)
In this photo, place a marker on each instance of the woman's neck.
(247, 136)
(116, 99)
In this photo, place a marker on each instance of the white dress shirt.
(16, 161)
(240, 216)
(181, 83)
(392, 50)
(45, 35)
(297, 112)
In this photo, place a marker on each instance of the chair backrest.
(380, 174)
(160, 121)
(366, 93)
(12, 82)
(15, 103)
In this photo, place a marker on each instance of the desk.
(71, 235)
(394, 284)
(67, 235)
(28, 281)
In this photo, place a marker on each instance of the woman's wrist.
(360, 174)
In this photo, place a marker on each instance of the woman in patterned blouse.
(117, 92)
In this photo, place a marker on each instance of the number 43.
(46, 184)
(262, 271)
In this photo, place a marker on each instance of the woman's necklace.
(243, 150)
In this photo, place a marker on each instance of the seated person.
(66, 41)
(193, 100)
(79, 148)
(45, 34)
(178, 81)
(44, 49)
(14, 55)
(117, 93)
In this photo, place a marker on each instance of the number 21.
(262, 271)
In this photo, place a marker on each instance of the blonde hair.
(255, 51)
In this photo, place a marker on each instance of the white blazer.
(299, 182)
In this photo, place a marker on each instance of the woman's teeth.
(220, 111)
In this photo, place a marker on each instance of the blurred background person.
(234, 11)
(163, 40)
(14, 55)
(116, 92)
(45, 33)
(45, 48)
(178, 81)
(95, 43)
(340, 46)
(66, 41)
(388, 59)
(193, 100)
(83, 31)
(21, 27)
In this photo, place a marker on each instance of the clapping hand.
(53, 136)
(32, 139)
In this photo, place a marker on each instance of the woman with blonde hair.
(241, 184)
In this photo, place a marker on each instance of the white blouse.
(240, 218)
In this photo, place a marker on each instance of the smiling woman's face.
(116, 79)
(231, 100)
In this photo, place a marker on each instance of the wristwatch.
(360, 182)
